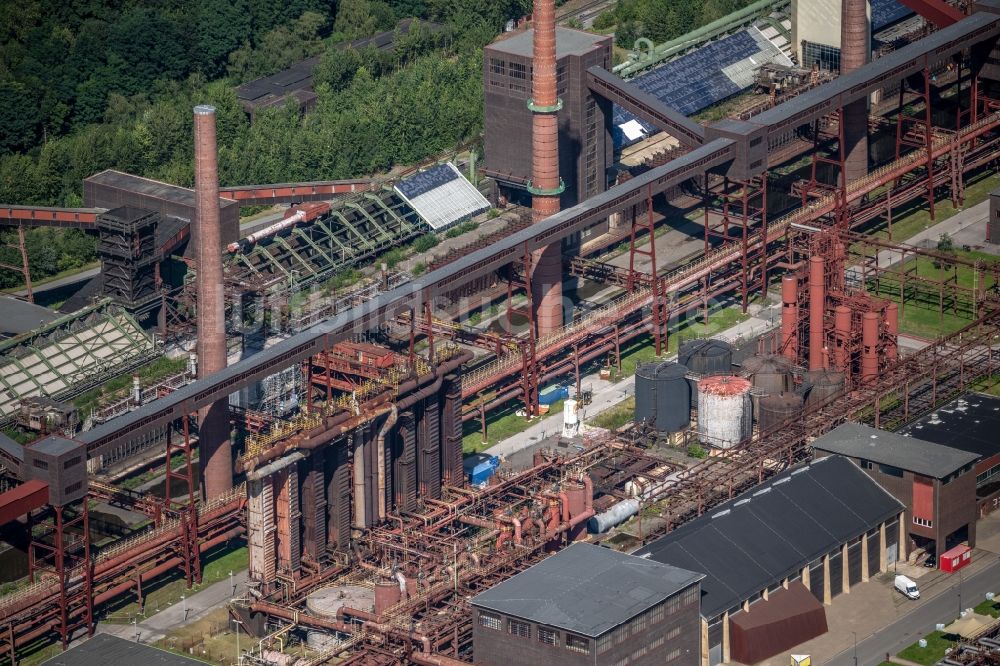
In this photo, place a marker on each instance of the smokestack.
(855, 49)
(817, 308)
(545, 185)
(842, 329)
(216, 457)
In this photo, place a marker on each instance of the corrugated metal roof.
(760, 537)
(586, 589)
(890, 448)
(442, 196)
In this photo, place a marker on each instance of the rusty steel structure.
(364, 484)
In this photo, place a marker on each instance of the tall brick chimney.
(546, 185)
(855, 50)
(216, 457)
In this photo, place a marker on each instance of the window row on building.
(544, 635)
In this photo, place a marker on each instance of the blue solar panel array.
(425, 181)
(887, 12)
(694, 81)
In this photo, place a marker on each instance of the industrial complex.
(321, 385)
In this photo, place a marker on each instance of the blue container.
(553, 394)
(480, 467)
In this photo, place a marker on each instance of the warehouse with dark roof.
(936, 483)
(590, 605)
(970, 423)
(819, 529)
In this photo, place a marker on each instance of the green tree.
(19, 117)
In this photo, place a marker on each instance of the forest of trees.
(93, 85)
(662, 20)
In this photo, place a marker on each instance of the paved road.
(82, 276)
(920, 622)
(155, 627)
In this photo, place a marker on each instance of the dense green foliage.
(662, 20)
(93, 86)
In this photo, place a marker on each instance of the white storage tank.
(327, 601)
(725, 414)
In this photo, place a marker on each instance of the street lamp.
(232, 584)
(184, 606)
(855, 634)
(239, 657)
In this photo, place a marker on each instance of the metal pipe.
(817, 306)
(213, 421)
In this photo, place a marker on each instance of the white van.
(907, 587)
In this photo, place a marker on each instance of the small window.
(490, 621)
(923, 522)
(73, 487)
(40, 464)
(605, 642)
(889, 470)
(691, 595)
(578, 644)
(673, 654)
(673, 633)
(72, 462)
(548, 636)
(518, 628)
(656, 615)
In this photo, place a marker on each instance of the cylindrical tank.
(892, 328)
(645, 393)
(826, 386)
(724, 413)
(842, 336)
(869, 344)
(777, 408)
(770, 374)
(790, 317)
(616, 515)
(576, 493)
(327, 601)
(817, 306)
(705, 356)
(387, 595)
(571, 420)
(320, 641)
(663, 396)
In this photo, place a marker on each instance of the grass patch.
(988, 385)
(914, 217)
(937, 643)
(167, 591)
(920, 302)
(991, 608)
(641, 350)
(616, 416)
(500, 424)
(35, 284)
(117, 388)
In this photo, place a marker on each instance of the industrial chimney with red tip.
(545, 185)
(855, 49)
(213, 431)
